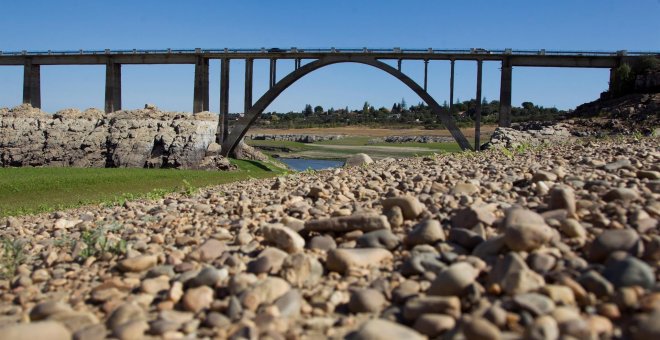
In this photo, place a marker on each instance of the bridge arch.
(241, 127)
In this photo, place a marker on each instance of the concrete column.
(297, 63)
(248, 84)
(477, 121)
(398, 65)
(32, 84)
(505, 94)
(223, 119)
(273, 72)
(426, 74)
(201, 92)
(112, 87)
(451, 85)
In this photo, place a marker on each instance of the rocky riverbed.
(557, 241)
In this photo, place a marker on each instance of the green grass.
(36, 190)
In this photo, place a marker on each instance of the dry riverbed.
(541, 243)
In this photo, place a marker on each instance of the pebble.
(622, 194)
(433, 325)
(138, 264)
(629, 272)
(358, 160)
(454, 280)
(265, 291)
(543, 328)
(464, 189)
(45, 309)
(283, 237)
(344, 224)
(563, 197)
(469, 217)
(210, 250)
(379, 329)
(383, 238)
(449, 305)
(425, 232)
(341, 260)
(610, 241)
(525, 230)
(410, 206)
(197, 299)
(302, 270)
(535, 303)
(322, 242)
(481, 329)
(366, 301)
(50, 330)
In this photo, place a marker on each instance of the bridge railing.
(393, 51)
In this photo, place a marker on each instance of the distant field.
(486, 130)
(341, 148)
(36, 190)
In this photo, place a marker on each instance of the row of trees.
(402, 115)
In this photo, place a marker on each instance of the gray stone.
(562, 197)
(366, 301)
(283, 237)
(449, 305)
(124, 313)
(610, 241)
(469, 217)
(45, 309)
(525, 230)
(629, 272)
(535, 303)
(480, 329)
(593, 282)
(358, 159)
(433, 325)
(302, 270)
(50, 330)
(322, 242)
(425, 232)
(410, 206)
(383, 238)
(454, 280)
(341, 260)
(623, 194)
(344, 224)
(290, 303)
(379, 329)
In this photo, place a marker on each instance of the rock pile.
(132, 138)
(295, 138)
(559, 242)
(532, 133)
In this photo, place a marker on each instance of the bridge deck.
(540, 58)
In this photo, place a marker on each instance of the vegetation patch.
(37, 190)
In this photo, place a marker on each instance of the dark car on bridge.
(276, 50)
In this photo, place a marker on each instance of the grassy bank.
(35, 190)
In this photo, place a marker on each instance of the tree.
(308, 110)
(318, 109)
(365, 108)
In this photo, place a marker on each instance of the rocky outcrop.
(295, 138)
(532, 133)
(133, 138)
(415, 139)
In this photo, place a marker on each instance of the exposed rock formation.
(132, 138)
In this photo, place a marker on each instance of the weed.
(188, 189)
(97, 242)
(506, 152)
(13, 255)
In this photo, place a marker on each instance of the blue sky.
(120, 24)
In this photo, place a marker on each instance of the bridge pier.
(223, 118)
(201, 92)
(32, 84)
(426, 74)
(297, 63)
(398, 65)
(477, 121)
(451, 85)
(505, 94)
(247, 102)
(273, 73)
(112, 87)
